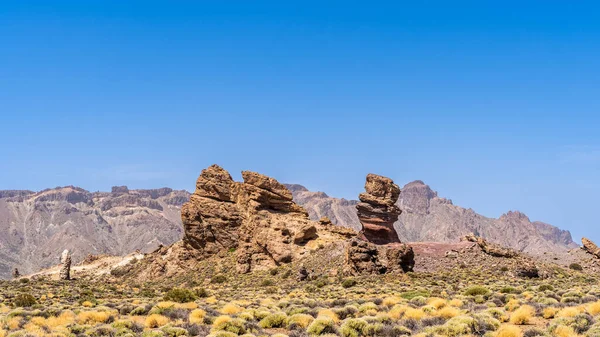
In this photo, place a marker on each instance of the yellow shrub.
(549, 312)
(509, 331)
(221, 319)
(211, 300)
(231, 309)
(593, 308)
(447, 312)
(437, 302)
(197, 316)
(397, 311)
(414, 313)
(512, 305)
(3, 333)
(564, 331)
(301, 320)
(456, 303)
(568, 312)
(156, 321)
(188, 306)
(523, 315)
(91, 317)
(390, 301)
(87, 304)
(13, 323)
(165, 304)
(328, 313)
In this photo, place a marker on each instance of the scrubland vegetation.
(458, 303)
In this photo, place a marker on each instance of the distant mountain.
(37, 227)
(427, 217)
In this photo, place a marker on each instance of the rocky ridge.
(426, 217)
(38, 226)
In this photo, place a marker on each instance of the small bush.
(477, 290)
(348, 283)
(180, 295)
(155, 321)
(321, 326)
(24, 300)
(575, 266)
(275, 320)
(509, 331)
(219, 279)
(523, 315)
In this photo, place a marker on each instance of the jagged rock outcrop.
(65, 270)
(257, 218)
(364, 257)
(490, 248)
(378, 249)
(33, 224)
(590, 247)
(377, 210)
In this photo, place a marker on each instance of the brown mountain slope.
(36, 227)
(427, 217)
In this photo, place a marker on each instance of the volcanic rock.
(490, 248)
(16, 273)
(65, 270)
(256, 218)
(364, 257)
(590, 247)
(377, 210)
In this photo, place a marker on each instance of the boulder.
(590, 247)
(490, 248)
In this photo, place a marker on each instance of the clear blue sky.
(494, 104)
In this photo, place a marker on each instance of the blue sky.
(493, 104)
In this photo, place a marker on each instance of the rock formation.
(590, 247)
(490, 248)
(377, 210)
(256, 218)
(16, 273)
(378, 250)
(427, 217)
(65, 270)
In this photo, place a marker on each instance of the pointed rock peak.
(294, 188)
(119, 189)
(266, 183)
(214, 182)
(419, 187)
(514, 215)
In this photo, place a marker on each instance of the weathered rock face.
(34, 224)
(378, 249)
(377, 210)
(363, 257)
(590, 247)
(257, 218)
(65, 270)
(490, 248)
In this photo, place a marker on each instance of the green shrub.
(349, 283)
(180, 295)
(219, 279)
(354, 327)
(576, 266)
(477, 290)
(321, 326)
(267, 283)
(24, 300)
(275, 320)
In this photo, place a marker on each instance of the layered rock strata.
(256, 218)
